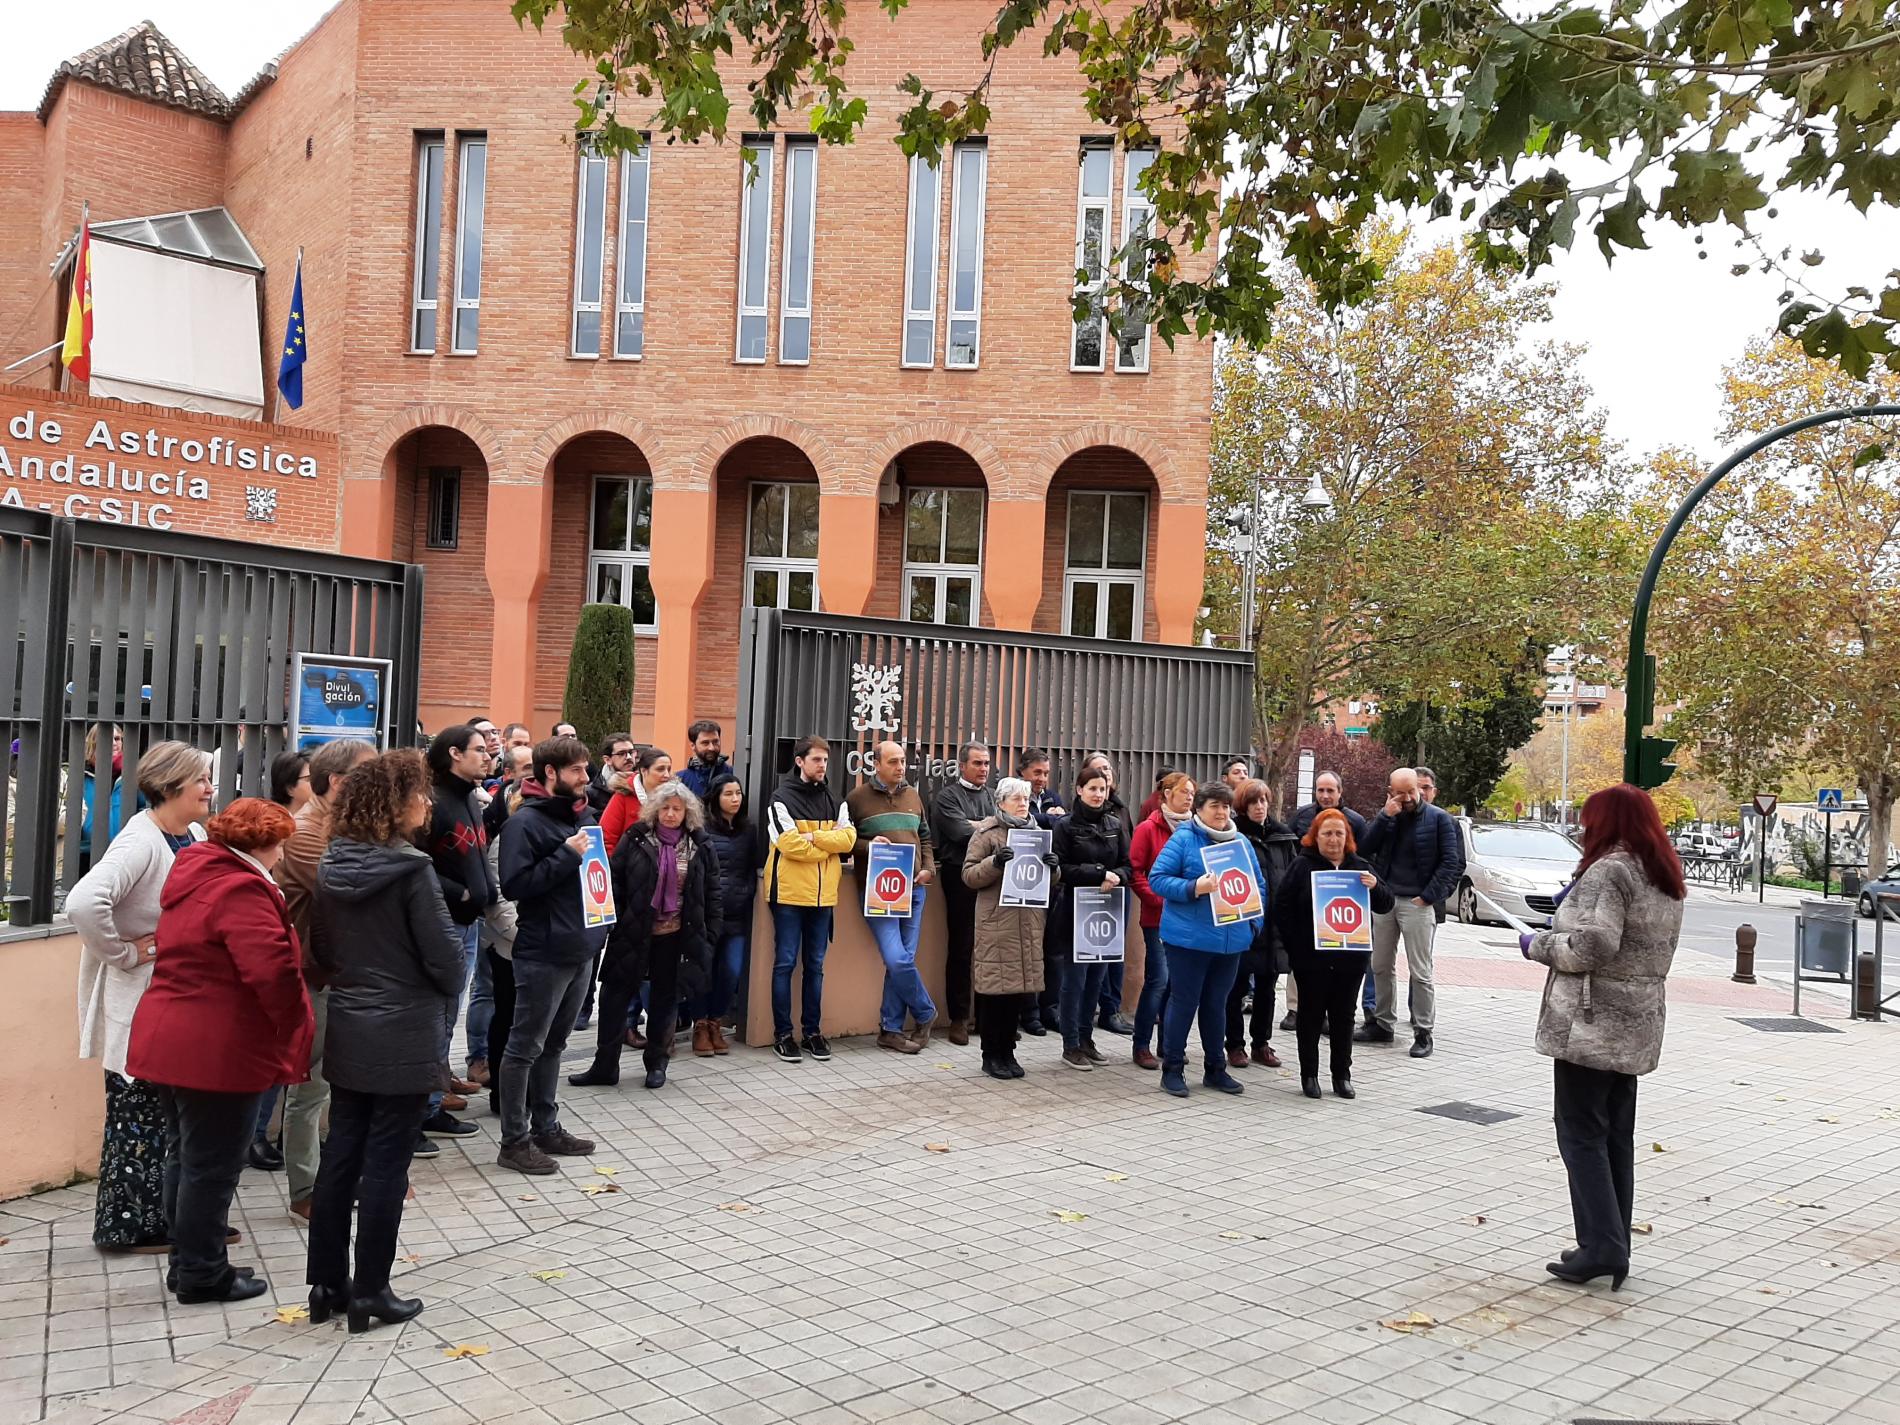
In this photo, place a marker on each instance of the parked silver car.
(1521, 866)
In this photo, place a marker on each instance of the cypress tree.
(599, 697)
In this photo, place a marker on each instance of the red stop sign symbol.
(597, 881)
(890, 884)
(1236, 888)
(1342, 915)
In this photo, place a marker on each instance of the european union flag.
(296, 346)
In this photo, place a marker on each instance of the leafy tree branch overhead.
(1283, 126)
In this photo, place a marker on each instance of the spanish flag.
(77, 352)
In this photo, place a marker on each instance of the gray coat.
(1609, 950)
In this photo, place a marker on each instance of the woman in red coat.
(225, 1018)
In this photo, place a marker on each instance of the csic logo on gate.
(1342, 916)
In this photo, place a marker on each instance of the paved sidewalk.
(787, 1245)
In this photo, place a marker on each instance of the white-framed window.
(630, 327)
(1104, 568)
(426, 289)
(1132, 327)
(620, 546)
(781, 567)
(1093, 202)
(590, 252)
(801, 229)
(445, 507)
(471, 161)
(755, 249)
(968, 182)
(943, 555)
(920, 263)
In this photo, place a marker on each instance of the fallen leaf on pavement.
(4, 1241)
(290, 1315)
(1478, 1221)
(596, 1189)
(1644, 1227)
(605, 1172)
(527, 1197)
(1828, 1118)
(456, 1353)
(548, 1276)
(1233, 1236)
(936, 1147)
(1657, 1148)
(1410, 1322)
(412, 1257)
(1830, 1264)
(1064, 1214)
(1493, 1315)
(946, 1066)
(1769, 1291)
(735, 1207)
(1106, 1177)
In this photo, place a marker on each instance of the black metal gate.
(857, 682)
(164, 635)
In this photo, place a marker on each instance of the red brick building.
(552, 376)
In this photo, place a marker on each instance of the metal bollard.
(1744, 955)
(1866, 987)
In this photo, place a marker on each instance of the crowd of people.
(311, 955)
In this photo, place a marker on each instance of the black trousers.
(1048, 1004)
(959, 914)
(1596, 1134)
(620, 977)
(501, 976)
(1329, 991)
(365, 1162)
(997, 1017)
(206, 1137)
(663, 1000)
(1256, 971)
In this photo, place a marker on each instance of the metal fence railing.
(123, 637)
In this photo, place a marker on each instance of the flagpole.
(79, 252)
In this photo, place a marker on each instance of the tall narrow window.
(966, 256)
(943, 556)
(1102, 582)
(630, 332)
(801, 228)
(755, 248)
(428, 259)
(920, 264)
(590, 256)
(1091, 253)
(1131, 326)
(445, 507)
(472, 160)
(620, 546)
(781, 566)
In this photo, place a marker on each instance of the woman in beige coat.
(1609, 950)
(1007, 974)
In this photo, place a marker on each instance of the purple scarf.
(666, 893)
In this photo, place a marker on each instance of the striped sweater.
(895, 815)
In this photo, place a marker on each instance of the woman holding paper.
(1609, 950)
(1329, 979)
(1176, 805)
(1213, 900)
(1007, 970)
(1091, 850)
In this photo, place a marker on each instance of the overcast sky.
(1657, 327)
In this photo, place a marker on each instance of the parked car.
(1520, 866)
(1889, 883)
(1704, 843)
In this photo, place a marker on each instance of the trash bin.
(1827, 932)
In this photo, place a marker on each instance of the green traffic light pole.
(1640, 676)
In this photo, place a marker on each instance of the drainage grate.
(1470, 1112)
(1788, 1026)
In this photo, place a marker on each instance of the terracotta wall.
(52, 1103)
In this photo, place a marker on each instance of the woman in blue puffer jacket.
(1203, 955)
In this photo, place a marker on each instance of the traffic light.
(1653, 766)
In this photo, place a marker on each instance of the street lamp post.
(1570, 701)
(1315, 501)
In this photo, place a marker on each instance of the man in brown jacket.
(297, 877)
(885, 807)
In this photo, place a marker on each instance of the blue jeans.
(1109, 1001)
(1081, 992)
(266, 1106)
(481, 1004)
(547, 1001)
(1199, 982)
(471, 949)
(1154, 988)
(728, 965)
(903, 986)
(799, 930)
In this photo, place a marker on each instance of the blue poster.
(336, 697)
(890, 874)
(597, 881)
(1342, 911)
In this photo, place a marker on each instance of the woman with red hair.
(225, 1018)
(1609, 949)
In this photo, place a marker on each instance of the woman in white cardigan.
(114, 907)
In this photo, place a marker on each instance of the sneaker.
(787, 1050)
(1174, 1079)
(524, 1157)
(814, 1045)
(896, 1043)
(1223, 1082)
(425, 1147)
(442, 1124)
(1078, 1059)
(562, 1144)
(1095, 1056)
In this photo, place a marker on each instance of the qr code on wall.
(260, 504)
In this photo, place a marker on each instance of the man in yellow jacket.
(808, 834)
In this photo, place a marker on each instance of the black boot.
(1309, 1086)
(599, 1074)
(656, 1076)
(385, 1306)
(1342, 1087)
(996, 1068)
(328, 1301)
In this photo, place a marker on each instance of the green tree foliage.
(1469, 744)
(1471, 488)
(1286, 125)
(599, 697)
